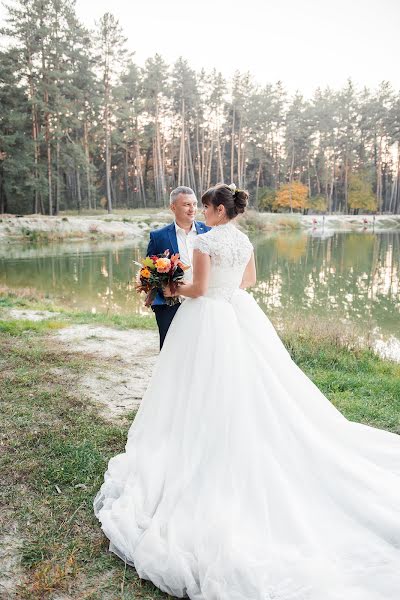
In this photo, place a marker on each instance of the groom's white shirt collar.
(180, 229)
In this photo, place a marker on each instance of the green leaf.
(149, 263)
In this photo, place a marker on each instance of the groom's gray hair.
(182, 189)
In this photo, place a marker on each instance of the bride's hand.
(167, 292)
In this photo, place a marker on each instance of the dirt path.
(11, 572)
(126, 359)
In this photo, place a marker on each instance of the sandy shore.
(44, 228)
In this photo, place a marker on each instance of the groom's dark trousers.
(164, 315)
(161, 240)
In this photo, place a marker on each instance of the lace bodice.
(230, 251)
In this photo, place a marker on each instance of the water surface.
(350, 276)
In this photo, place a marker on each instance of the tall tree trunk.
(258, 181)
(239, 153)
(379, 176)
(49, 165)
(330, 206)
(78, 188)
(155, 174)
(220, 165)
(181, 167)
(57, 204)
(126, 168)
(108, 162)
(139, 173)
(47, 124)
(192, 181)
(160, 167)
(397, 204)
(3, 197)
(35, 129)
(199, 162)
(114, 193)
(36, 157)
(346, 184)
(243, 165)
(87, 163)
(291, 178)
(317, 179)
(233, 147)
(107, 132)
(209, 165)
(203, 162)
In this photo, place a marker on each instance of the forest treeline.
(82, 126)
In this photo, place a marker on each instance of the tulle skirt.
(241, 481)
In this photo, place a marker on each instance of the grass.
(254, 221)
(61, 447)
(16, 327)
(27, 298)
(363, 386)
(55, 445)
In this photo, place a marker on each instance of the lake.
(350, 276)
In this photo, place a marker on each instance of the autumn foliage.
(291, 196)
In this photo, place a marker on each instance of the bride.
(240, 480)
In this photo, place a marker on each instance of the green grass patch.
(120, 321)
(55, 449)
(29, 299)
(20, 326)
(364, 387)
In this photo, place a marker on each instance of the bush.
(266, 198)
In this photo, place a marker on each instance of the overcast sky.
(304, 43)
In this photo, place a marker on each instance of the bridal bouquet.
(158, 271)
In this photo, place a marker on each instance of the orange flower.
(145, 273)
(163, 265)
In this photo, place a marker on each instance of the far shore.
(136, 224)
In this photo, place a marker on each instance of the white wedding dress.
(240, 480)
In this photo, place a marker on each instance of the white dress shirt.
(185, 248)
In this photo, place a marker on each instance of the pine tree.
(155, 92)
(112, 55)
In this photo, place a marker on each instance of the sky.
(303, 43)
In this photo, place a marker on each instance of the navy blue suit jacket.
(165, 239)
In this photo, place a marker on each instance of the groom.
(176, 237)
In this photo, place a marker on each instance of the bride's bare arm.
(201, 273)
(249, 275)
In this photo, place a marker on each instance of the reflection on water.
(84, 277)
(353, 276)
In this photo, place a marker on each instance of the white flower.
(233, 188)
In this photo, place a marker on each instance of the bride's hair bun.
(241, 199)
(234, 200)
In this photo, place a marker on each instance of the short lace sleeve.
(202, 243)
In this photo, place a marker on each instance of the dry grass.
(263, 222)
(325, 331)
